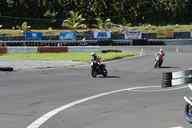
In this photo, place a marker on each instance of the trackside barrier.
(170, 79)
(81, 42)
(26, 49)
(22, 49)
(84, 48)
(3, 50)
(45, 49)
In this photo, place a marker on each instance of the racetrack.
(27, 95)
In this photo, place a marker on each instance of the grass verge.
(74, 56)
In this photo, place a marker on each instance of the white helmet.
(161, 50)
(93, 53)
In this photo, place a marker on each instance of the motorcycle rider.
(160, 56)
(161, 53)
(95, 58)
(96, 66)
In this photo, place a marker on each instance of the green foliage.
(104, 24)
(24, 26)
(74, 21)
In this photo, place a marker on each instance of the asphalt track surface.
(27, 95)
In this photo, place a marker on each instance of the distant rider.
(161, 54)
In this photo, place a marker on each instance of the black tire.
(105, 73)
(167, 75)
(156, 64)
(187, 117)
(6, 69)
(93, 74)
(166, 80)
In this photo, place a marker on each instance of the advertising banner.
(102, 35)
(67, 36)
(132, 35)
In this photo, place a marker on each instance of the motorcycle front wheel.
(188, 112)
(105, 73)
(156, 64)
(93, 74)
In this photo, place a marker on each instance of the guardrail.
(79, 42)
(64, 42)
(96, 42)
(174, 41)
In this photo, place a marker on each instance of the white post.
(177, 50)
(141, 52)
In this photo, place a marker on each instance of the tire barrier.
(52, 49)
(6, 69)
(110, 50)
(182, 35)
(48, 49)
(3, 50)
(170, 79)
(93, 42)
(140, 42)
(149, 35)
(166, 79)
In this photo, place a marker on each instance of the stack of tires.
(166, 80)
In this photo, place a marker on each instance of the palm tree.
(74, 21)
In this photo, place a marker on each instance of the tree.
(119, 11)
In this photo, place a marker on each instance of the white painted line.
(177, 127)
(160, 90)
(37, 123)
(40, 121)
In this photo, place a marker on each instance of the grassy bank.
(74, 56)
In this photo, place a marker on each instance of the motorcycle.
(188, 110)
(98, 69)
(158, 61)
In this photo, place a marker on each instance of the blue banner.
(33, 35)
(102, 35)
(67, 36)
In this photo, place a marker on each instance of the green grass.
(74, 56)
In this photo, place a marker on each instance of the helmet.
(161, 50)
(93, 54)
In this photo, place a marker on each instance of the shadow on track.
(109, 77)
(168, 67)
